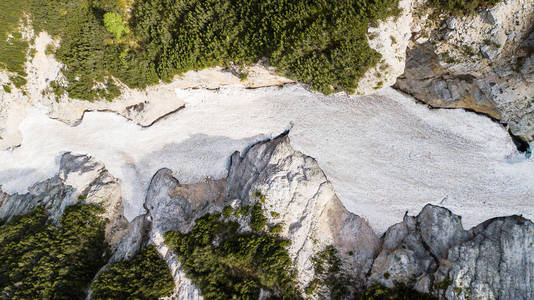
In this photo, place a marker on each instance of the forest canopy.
(145, 276)
(225, 263)
(321, 43)
(41, 260)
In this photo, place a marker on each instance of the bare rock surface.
(390, 38)
(454, 158)
(496, 263)
(481, 62)
(80, 179)
(413, 248)
(168, 211)
(434, 254)
(296, 189)
(430, 252)
(293, 185)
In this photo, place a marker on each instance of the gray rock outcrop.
(80, 178)
(497, 262)
(413, 248)
(295, 189)
(483, 63)
(303, 199)
(434, 254)
(430, 252)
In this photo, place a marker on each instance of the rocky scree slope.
(430, 252)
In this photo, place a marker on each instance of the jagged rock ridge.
(494, 260)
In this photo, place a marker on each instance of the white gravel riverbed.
(385, 154)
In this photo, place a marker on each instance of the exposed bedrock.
(434, 254)
(430, 252)
(483, 62)
(80, 179)
(294, 187)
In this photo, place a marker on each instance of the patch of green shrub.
(257, 218)
(241, 211)
(276, 229)
(468, 50)
(41, 260)
(6, 88)
(330, 274)
(491, 43)
(114, 24)
(145, 276)
(400, 292)
(227, 211)
(259, 195)
(18, 81)
(463, 7)
(227, 264)
(13, 47)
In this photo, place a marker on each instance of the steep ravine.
(430, 252)
(158, 159)
(385, 140)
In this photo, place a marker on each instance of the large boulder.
(432, 253)
(496, 263)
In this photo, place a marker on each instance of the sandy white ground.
(384, 154)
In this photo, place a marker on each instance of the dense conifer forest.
(143, 42)
(321, 43)
(226, 263)
(42, 260)
(145, 276)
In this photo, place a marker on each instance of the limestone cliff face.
(305, 201)
(430, 252)
(294, 187)
(496, 263)
(434, 254)
(390, 38)
(482, 62)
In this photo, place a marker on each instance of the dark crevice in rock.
(521, 145)
(426, 246)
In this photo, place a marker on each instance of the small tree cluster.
(145, 276)
(225, 263)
